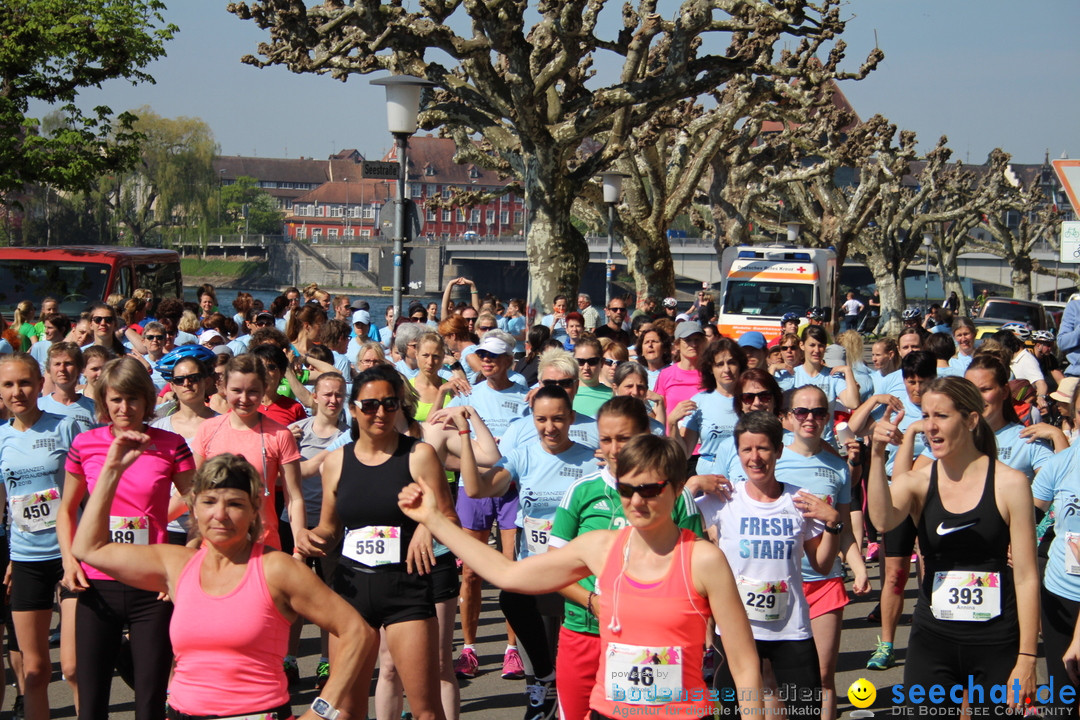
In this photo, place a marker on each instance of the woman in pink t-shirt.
(235, 599)
(680, 381)
(138, 515)
(266, 444)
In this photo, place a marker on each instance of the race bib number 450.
(35, 511)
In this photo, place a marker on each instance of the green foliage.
(237, 269)
(247, 208)
(50, 50)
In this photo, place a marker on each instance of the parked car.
(1003, 310)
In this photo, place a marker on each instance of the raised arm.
(888, 505)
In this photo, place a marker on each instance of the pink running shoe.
(467, 664)
(513, 669)
(872, 550)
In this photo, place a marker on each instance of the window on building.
(350, 232)
(369, 212)
(518, 217)
(359, 261)
(474, 216)
(446, 192)
(365, 233)
(490, 217)
(432, 190)
(332, 232)
(473, 172)
(432, 215)
(504, 217)
(316, 233)
(301, 232)
(447, 215)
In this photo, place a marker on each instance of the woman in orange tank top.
(658, 586)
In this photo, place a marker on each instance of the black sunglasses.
(591, 362)
(370, 406)
(98, 319)
(153, 338)
(485, 328)
(610, 361)
(487, 355)
(802, 413)
(749, 397)
(616, 309)
(565, 383)
(264, 323)
(185, 379)
(646, 491)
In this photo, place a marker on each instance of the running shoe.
(872, 550)
(882, 659)
(467, 664)
(17, 710)
(322, 674)
(292, 672)
(543, 700)
(513, 669)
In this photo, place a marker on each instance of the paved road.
(489, 697)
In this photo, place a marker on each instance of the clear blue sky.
(986, 73)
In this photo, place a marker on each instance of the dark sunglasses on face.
(264, 323)
(802, 413)
(616, 309)
(565, 383)
(185, 379)
(98, 319)
(591, 362)
(487, 355)
(788, 347)
(153, 338)
(485, 328)
(749, 397)
(370, 406)
(610, 362)
(646, 491)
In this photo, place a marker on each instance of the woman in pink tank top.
(234, 598)
(658, 586)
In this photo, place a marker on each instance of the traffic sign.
(380, 170)
(1068, 172)
(1070, 242)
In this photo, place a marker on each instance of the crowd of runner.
(675, 519)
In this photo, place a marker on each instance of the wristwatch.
(834, 530)
(324, 709)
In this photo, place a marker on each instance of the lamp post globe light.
(927, 241)
(612, 190)
(793, 232)
(402, 109)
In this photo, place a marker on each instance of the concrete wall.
(331, 266)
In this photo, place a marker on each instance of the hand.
(854, 452)
(887, 430)
(126, 448)
(418, 502)
(711, 484)
(74, 578)
(861, 585)
(814, 508)
(889, 401)
(310, 544)
(420, 556)
(1024, 672)
(1071, 659)
(1039, 431)
(459, 385)
(681, 410)
(297, 432)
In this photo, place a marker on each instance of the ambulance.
(762, 283)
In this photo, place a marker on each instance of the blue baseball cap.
(752, 339)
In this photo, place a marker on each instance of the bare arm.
(66, 521)
(314, 542)
(888, 506)
(850, 395)
(861, 421)
(1015, 494)
(294, 498)
(303, 395)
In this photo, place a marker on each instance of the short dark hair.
(663, 455)
(628, 407)
(760, 422)
(552, 392)
(918, 363)
(271, 354)
(941, 345)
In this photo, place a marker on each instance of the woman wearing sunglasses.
(361, 482)
(103, 320)
(592, 503)
(838, 384)
(710, 415)
(658, 587)
(614, 354)
(807, 464)
(765, 528)
(265, 443)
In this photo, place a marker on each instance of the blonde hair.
(853, 346)
(189, 322)
(228, 470)
(26, 359)
(23, 312)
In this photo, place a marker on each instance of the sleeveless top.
(972, 546)
(367, 498)
(645, 630)
(228, 647)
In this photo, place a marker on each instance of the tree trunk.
(648, 255)
(951, 279)
(890, 285)
(556, 251)
(1021, 277)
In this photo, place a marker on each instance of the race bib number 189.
(129, 530)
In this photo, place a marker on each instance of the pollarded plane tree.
(524, 80)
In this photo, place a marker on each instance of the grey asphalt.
(489, 697)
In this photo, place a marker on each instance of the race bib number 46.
(966, 595)
(129, 530)
(373, 545)
(35, 511)
(640, 675)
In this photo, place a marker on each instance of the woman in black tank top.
(386, 559)
(976, 616)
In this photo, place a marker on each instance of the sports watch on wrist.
(835, 529)
(324, 709)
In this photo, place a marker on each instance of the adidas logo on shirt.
(601, 505)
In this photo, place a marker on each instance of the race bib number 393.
(966, 595)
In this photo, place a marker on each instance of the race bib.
(373, 545)
(640, 675)
(764, 600)
(129, 530)
(966, 595)
(1071, 566)
(537, 533)
(36, 511)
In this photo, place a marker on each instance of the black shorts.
(33, 584)
(385, 596)
(900, 541)
(445, 581)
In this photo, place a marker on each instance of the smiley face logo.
(862, 693)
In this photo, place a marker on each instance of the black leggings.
(1058, 620)
(103, 612)
(535, 620)
(798, 677)
(934, 661)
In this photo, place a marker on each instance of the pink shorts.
(824, 596)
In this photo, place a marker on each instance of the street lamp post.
(402, 109)
(927, 241)
(612, 189)
(793, 232)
